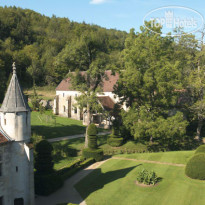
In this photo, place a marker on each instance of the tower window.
(1, 200)
(18, 201)
(1, 166)
(0, 169)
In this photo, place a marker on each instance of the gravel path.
(73, 137)
(148, 161)
(68, 194)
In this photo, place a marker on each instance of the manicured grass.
(178, 157)
(50, 126)
(114, 183)
(65, 152)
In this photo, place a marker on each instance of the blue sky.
(119, 14)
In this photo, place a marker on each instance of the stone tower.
(16, 154)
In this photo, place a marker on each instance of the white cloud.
(97, 1)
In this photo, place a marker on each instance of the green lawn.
(50, 126)
(114, 184)
(65, 152)
(68, 150)
(178, 157)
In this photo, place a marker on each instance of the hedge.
(96, 154)
(92, 130)
(92, 142)
(195, 167)
(47, 184)
(115, 142)
(200, 149)
(74, 167)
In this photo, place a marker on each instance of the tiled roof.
(106, 102)
(3, 139)
(107, 85)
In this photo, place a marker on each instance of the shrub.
(74, 167)
(195, 167)
(96, 154)
(115, 142)
(92, 142)
(44, 160)
(92, 130)
(200, 149)
(147, 177)
(47, 184)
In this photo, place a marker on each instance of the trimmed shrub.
(200, 149)
(195, 167)
(74, 167)
(115, 142)
(92, 130)
(92, 142)
(96, 154)
(147, 177)
(44, 160)
(47, 184)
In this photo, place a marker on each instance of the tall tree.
(151, 78)
(88, 54)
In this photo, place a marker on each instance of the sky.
(118, 14)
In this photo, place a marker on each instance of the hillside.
(40, 45)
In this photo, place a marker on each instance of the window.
(1, 200)
(1, 166)
(19, 201)
(4, 121)
(76, 110)
(17, 169)
(64, 109)
(63, 94)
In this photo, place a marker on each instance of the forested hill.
(45, 49)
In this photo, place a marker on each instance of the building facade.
(65, 100)
(16, 153)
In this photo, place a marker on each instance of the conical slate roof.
(14, 100)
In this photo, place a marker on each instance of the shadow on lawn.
(50, 131)
(97, 180)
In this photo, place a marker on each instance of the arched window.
(19, 201)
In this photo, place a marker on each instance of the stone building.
(16, 153)
(65, 100)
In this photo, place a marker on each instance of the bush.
(47, 184)
(92, 130)
(44, 160)
(92, 142)
(115, 142)
(200, 149)
(147, 177)
(96, 154)
(195, 167)
(74, 167)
